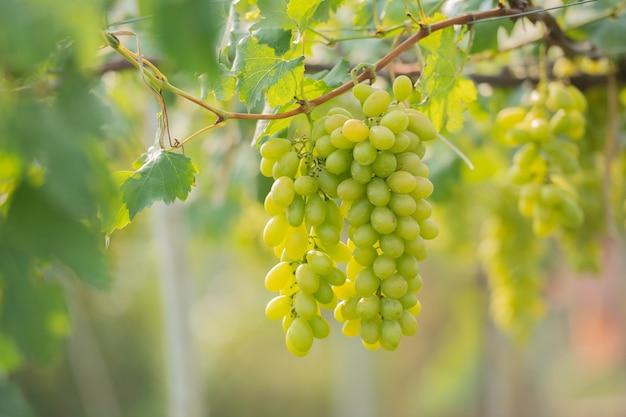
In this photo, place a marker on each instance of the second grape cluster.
(363, 171)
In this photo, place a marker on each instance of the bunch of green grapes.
(372, 164)
(304, 229)
(516, 286)
(547, 135)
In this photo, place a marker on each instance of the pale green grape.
(365, 255)
(366, 283)
(384, 266)
(324, 147)
(296, 242)
(421, 125)
(355, 130)
(376, 103)
(385, 164)
(370, 330)
(360, 212)
(319, 261)
(319, 327)
(334, 122)
(361, 173)
(339, 161)
(401, 143)
(282, 191)
(278, 307)
(315, 210)
(392, 245)
(300, 335)
(307, 279)
(368, 307)
(324, 293)
(305, 185)
(305, 305)
(391, 334)
(402, 204)
(287, 165)
(275, 230)
(397, 121)
(383, 220)
(395, 286)
(408, 324)
(350, 190)
(402, 87)
(428, 229)
(295, 211)
(423, 188)
(339, 141)
(407, 227)
(390, 308)
(365, 235)
(381, 137)
(365, 153)
(378, 192)
(275, 148)
(328, 183)
(362, 91)
(279, 276)
(266, 166)
(407, 265)
(401, 182)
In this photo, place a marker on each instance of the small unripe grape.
(402, 142)
(407, 265)
(325, 295)
(376, 103)
(392, 245)
(320, 327)
(328, 183)
(295, 211)
(423, 210)
(429, 229)
(355, 130)
(407, 227)
(402, 87)
(350, 190)
(384, 266)
(361, 173)
(368, 307)
(366, 235)
(366, 283)
(305, 305)
(408, 324)
(360, 212)
(402, 204)
(401, 182)
(423, 188)
(324, 147)
(335, 277)
(365, 255)
(391, 334)
(339, 161)
(370, 330)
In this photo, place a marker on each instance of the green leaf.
(322, 13)
(260, 71)
(338, 75)
(278, 39)
(301, 11)
(165, 176)
(447, 93)
(114, 215)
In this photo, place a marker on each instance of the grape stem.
(457, 151)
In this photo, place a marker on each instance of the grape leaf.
(322, 13)
(441, 83)
(165, 176)
(261, 70)
(301, 11)
(277, 38)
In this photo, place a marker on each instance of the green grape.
(402, 87)
(351, 328)
(305, 305)
(385, 164)
(335, 277)
(278, 307)
(526, 155)
(339, 161)
(376, 103)
(275, 230)
(392, 245)
(370, 330)
(365, 255)
(270, 207)
(287, 165)
(355, 130)
(366, 283)
(407, 227)
(324, 293)
(408, 162)
(402, 142)
(328, 233)
(361, 173)
(423, 188)
(378, 192)
(428, 229)
(560, 122)
(395, 286)
(333, 214)
(579, 102)
(408, 324)
(324, 147)
(334, 122)
(279, 276)
(319, 327)
(350, 190)
(339, 110)
(415, 144)
(381, 137)
(321, 263)
(307, 279)
(339, 141)
(571, 213)
(401, 182)
(282, 191)
(421, 125)
(295, 211)
(384, 266)
(414, 283)
(296, 242)
(402, 204)
(315, 210)
(305, 185)
(558, 96)
(408, 300)
(360, 212)
(390, 308)
(539, 129)
(365, 235)
(391, 334)
(407, 265)
(275, 148)
(328, 183)
(300, 335)
(348, 308)
(383, 220)
(416, 247)
(509, 117)
(577, 125)
(266, 166)
(365, 153)
(368, 307)
(362, 91)
(397, 121)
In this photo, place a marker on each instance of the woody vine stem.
(158, 82)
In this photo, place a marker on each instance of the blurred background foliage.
(82, 317)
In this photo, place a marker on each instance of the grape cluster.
(365, 170)
(546, 134)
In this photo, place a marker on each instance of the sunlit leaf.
(165, 176)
